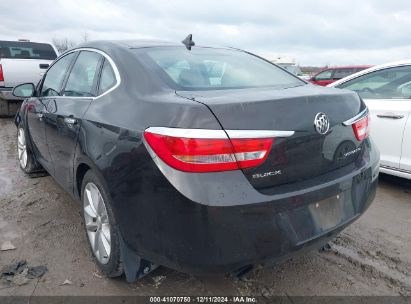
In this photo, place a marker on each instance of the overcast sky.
(315, 32)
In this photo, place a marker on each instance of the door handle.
(70, 120)
(390, 115)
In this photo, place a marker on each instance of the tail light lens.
(192, 154)
(1, 74)
(361, 129)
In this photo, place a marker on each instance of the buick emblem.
(321, 123)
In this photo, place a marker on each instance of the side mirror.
(24, 90)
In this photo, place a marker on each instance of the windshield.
(26, 50)
(382, 84)
(211, 69)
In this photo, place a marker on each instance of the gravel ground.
(371, 257)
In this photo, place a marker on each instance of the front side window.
(53, 80)
(108, 78)
(325, 75)
(213, 69)
(390, 83)
(83, 76)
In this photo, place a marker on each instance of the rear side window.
(108, 78)
(383, 84)
(341, 73)
(325, 75)
(26, 50)
(53, 80)
(211, 69)
(360, 69)
(83, 76)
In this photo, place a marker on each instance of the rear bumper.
(215, 234)
(9, 104)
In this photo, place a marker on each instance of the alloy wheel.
(22, 148)
(97, 223)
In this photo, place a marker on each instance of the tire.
(25, 157)
(100, 226)
(9, 108)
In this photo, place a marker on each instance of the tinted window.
(82, 78)
(55, 76)
(382, 84)
(360, 69)
(210, 69)
(26, 50)
(325, 75)
(341, 73)
(108, 79)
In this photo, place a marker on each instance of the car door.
(65, 113)
(323, 78)
(388, 99)
(405, 161)
(36, 107)
(341, 73)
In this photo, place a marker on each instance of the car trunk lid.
(304, 155)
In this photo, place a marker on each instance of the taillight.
(1, 74)
(361, 128)
(208, 153)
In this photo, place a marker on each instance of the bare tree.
(63, 44)
(85, 37)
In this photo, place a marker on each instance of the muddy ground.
(371, 257)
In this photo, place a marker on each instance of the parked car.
(198, 169)
(292, 68)
(20, 62)
(329, 75)
(386, 89)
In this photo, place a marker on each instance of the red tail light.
(361, 128)
(204, 154)
(1, 74)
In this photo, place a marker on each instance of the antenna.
(188, 42)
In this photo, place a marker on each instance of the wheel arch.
(81, 167)
(81, 171)
(21, 120)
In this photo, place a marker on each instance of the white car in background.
(386, 89)
(20, 62)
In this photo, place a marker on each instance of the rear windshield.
(212, 69)
(26, 50)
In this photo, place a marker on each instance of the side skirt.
(396, 172)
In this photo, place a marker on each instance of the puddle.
(6, 184)
(8, 232)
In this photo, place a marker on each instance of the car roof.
(26, 41)
(372, 69)
(345, 67)
(348, 67)
(142, 43)
(136, 44)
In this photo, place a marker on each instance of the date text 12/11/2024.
(200, 299)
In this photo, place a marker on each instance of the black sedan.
(201, 159)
